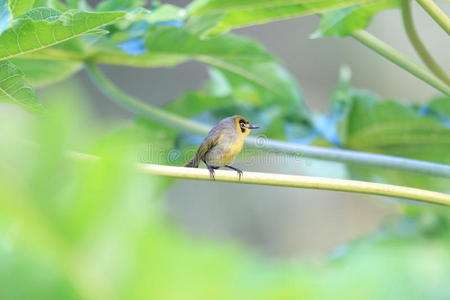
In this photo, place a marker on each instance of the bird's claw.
(237, 170)
(211, 172)
(240, 174)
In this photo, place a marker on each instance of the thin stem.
(436, 13)
(418, 45)
(295, 181)
(140, 108)
(181, 124)
(400, 59)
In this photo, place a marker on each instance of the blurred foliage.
(360, 120)
(232, 14)
(73, 229)
(14, 89)
(40, 72)
(76, 229)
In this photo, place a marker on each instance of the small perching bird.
(223, 142)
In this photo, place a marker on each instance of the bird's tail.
(193, 163)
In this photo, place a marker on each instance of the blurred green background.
(77, 230)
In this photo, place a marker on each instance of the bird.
(223, 142)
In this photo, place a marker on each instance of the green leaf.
(179, 43)
(237, 13)
(78, 4)
(28, 35)
(244, 63)
(42, 14)
(128, 5)
(208, 6)
(440, 109)
(18, 7)
(50, 3)
(393, 128)
(367, 123)
(14, 89)
(362, 121)
(230, 53)
(192, 104)
(274, 86)
(44, 72)
(201, 24)
(345, 21)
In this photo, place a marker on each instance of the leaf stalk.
(400, 60)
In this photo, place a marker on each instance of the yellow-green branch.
(295, 181)
(420, 48)
(308, 182)
(400, 60)
(436, 13)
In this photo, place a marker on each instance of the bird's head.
(242, 125)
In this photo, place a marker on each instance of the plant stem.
(347, 156)
(295, 181)
(436, 13)
(400, 59)
(418, 45)
(140, 108)
(301, 182)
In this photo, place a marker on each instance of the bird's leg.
(236, 169)
(211, 170)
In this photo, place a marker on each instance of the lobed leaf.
(29, 34)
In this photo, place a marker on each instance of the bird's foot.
(239, 171)
(211, 171)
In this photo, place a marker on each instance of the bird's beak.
(250, 126)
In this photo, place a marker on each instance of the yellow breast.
(225, 151)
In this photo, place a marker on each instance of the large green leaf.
(14, 88)
(29, 33)
(344, 21)
(237, 13)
